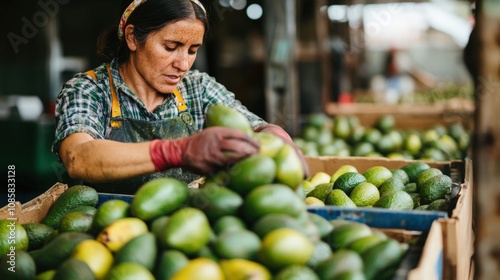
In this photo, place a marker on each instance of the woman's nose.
(181, 61)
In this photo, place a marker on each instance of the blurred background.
(284, 59)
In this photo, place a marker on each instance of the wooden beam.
(487, 141)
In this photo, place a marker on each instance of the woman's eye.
(169, 48)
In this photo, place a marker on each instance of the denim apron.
(133, 131)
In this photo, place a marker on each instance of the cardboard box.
(458, 232)
(34, 210)
(456, 228)
(430, 265)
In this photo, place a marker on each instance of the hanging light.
(254, 11)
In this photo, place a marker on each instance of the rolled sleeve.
(80, 107)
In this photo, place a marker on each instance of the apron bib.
(133, 131)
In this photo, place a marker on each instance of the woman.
(141, 115)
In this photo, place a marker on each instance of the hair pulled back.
(148, 17)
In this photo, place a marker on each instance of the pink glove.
(203, 152)
(280, 132)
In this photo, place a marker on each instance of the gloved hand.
(203, 152)
(280, 132)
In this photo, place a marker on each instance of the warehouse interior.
(336, 52)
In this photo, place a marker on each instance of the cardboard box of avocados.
(455, 226)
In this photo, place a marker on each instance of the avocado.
(435, 188)
(296, 272)
(228, 223)
(339, 198)
(239, 244)
(38, 233)
(250, 173)
(426, 175)
(272, 198)
(414, 169)
(242, 269)
(221, 115)
(141, 249)
(344, 234)
(362, 244)
(339, 262)
(108, 212)
(75, 221)
(411, 188)
(438, 205)
(59, 249)
(289, 169)
(391, 184)
(348, 181)
(270, 222)
(23, 267)
(215, 201)
(187, 230)
(322, 251)
(46, 275)
(74, 269)
(169, 262)
(91, 210)
(157, 197)
(398, 200)
(74, 196)
(321, 191)
(324, 226)
(380, 257)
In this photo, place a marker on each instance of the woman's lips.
(173, 79)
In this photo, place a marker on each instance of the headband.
(133, 6)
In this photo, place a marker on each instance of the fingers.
(219, 146)
(226, 133)
(238, 148)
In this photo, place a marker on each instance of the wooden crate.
(407, 116)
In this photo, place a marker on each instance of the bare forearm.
(106, 160)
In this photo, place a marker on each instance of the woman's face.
(167, 55)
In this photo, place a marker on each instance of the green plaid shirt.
(84, 104)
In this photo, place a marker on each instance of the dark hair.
(148, 17)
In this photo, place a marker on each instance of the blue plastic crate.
(103, 197)
(382, 218)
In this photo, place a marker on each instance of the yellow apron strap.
(92, 74)
(115, 103)
(181, 105)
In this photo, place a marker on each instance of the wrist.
(166, 154)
